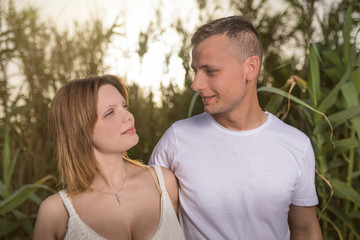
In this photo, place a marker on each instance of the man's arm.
(303, 223)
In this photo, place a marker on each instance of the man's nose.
(198, 83)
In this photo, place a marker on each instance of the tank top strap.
(155, 178)
(67, 203)
(160, 178)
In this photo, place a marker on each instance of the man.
(243, 173)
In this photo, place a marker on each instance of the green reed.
(329, 111)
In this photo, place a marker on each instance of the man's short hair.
(239, 30)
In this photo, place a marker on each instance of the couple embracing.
(232, 172)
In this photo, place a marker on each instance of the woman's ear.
(252, 65)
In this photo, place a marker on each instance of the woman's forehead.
(109, 95)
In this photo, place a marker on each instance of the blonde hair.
(72, 117)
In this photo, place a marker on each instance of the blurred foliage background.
(313, 85)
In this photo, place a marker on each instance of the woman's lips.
(130, 131)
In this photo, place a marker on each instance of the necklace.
(261, 118)
(117, 198)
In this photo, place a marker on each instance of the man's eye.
(210, 71)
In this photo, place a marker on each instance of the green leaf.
(346, 33)
(36, 199)
(286, 95)
(356, 75)
(337, 119)
(21, 195)
(2, 189)
(356, 78)
(334, 59)
(355, 174)
(354, 214)
(333, 73)
(7, 178)
(337, 229)
(27, 225)
(344, 191)
(309, 115)
(314, 79)
(350, 95)
(274, 103)
(336, 163)
(192, 104)
(342, 145)
(6, 155)
(283, 65)
(332, 96)
(344, 218)
(8, 226)
(356, 124)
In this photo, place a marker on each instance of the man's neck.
(241, 120)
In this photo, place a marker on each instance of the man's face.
(220, 77)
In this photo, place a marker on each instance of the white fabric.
(76, 228)
(238, 184)
(169, 227)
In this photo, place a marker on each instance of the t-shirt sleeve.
(305, 190)
(164, 152)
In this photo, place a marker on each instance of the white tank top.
(169, 227)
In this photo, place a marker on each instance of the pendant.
(117, 199)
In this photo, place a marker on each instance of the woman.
(107, 195)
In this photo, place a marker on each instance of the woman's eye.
(125, 106)
(108, 113)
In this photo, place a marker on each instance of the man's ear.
(252, 65)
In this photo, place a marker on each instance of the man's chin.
(209, 110)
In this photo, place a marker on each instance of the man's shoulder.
(287, 130)
(194, 121)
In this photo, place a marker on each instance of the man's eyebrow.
(202, 66)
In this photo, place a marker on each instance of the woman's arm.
(51, 220)
(172, 187)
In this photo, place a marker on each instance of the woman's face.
(114, 131)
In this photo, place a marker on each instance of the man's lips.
(130, 131)
(207, 99)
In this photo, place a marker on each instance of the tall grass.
(332, 90)
(331, 111)
(11, 218)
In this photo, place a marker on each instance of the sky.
(138, 14)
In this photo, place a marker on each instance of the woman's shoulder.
(54, 205)
(51, 219)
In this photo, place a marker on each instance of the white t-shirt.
(238, 184)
